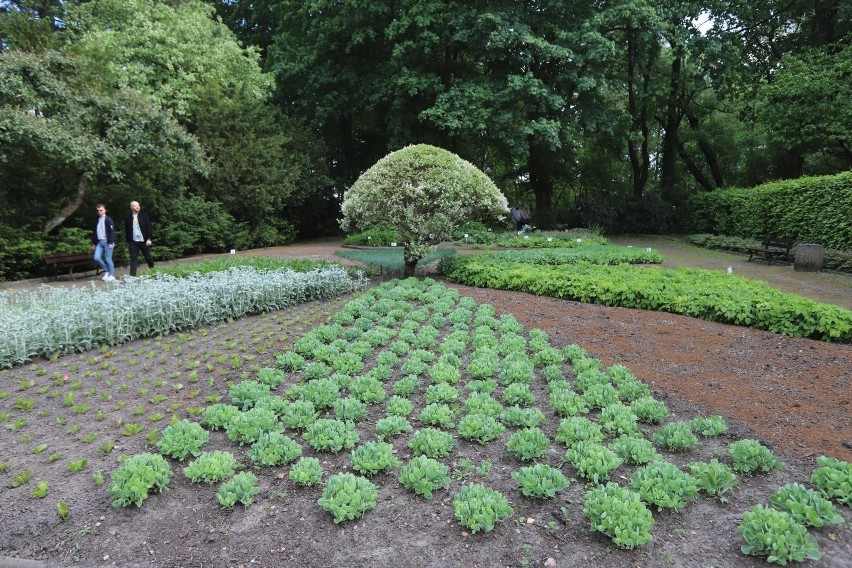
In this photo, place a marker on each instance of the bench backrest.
(775, 242)
(62, 257)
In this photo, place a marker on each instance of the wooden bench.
(773, 249)
(62, 261)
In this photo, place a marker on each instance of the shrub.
(431, 443)
(777, 536)
(211, 467)
(676, 437)
(391, 426)
(246, 427)
(138, 475)
(182, 439)
(540, 481)
(619, 514)
(241, 489)
(833, 478)
(437, 414)
(347, 496)
(634, 449)
(593, 461)
(479, 508)
(328, 435)
(714, 478)
(423, 475)
(480, 428)
(750, 456)
(710, 426)
(306, 472)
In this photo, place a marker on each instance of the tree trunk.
(540, 180)
(706, 149)
(68, 210)
(667, 165)
(693, 168)
(409, 268)
(638, 152)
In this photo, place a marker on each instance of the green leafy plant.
(777, 536)
(805, 505)
(480, 428)
(391, 426)
(714, 478)
(662, 484)
(479, 508)
(40, 490)
(406, 386)
(431, 443)
(710, 426)
(750, 456)
(540, 481)
(399, 406)
(77, 466)
(62, 510)
(182, 440)
(240, 489)
(576, 429)
(273, 449)
(374, 457)
(676, 437)
(298, 414)
(367, 389)
(634, 449)
(245, 394)
(349, 409)
(347, 496)
(441, 393)
(592, 460)
(518, 394)
(619, 514)
(833, 478)
(480, 403)
(138, 475)
(211, 467)
(438, 414)
(517, 417)
(321, 393)
(423, 475)
(617, 419)
(528, 444)
(247, 427)
(306, 472)
(329, 435)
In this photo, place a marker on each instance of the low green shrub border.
(705, 294)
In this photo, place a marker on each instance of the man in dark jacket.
(103, 239)
(138, 232)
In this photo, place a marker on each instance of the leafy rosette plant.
(649, 410)
(710, 426)
(298, 414)
(806, 506)
(329, 435)
(833, 478)
(137, 477)
(306, 472)
(441, 393)
(246, 427)
(634, 449)
(436, 414)
(273, 449)
(271, 377)
(240, 489)
(664, 485)
(367, 389)
(592, 460)
(182, 439)
(566, 402)
(777, 536)
(478, 403)
(211, 467)
(750, 457)
(517, 417)
(431, 443)
(374, 457)
(576, 429)
(528, 444)
(245, 394)
(714, 478)
(349, 409)
(348, 497)
(676, 437)
(619, 514)
(540, 481)
(423, 475)
(392, 426)
(480, 428)
(479, 508)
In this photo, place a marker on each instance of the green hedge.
(808, 210)
(704, 294)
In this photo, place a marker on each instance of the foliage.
(328, 435)
(298, 414)
(431, 443)
(592, 460)
(518, 394)
(634, 449)
(806, 506)
(478, 403)
(424, 192)
(809, 210)
(423, 475)
(619, 514)
(56, 320)
(662, 484)
(479, 508)
(273, 449)
(705, 294)
(260, 263)
(438, 414)
(480, 428)
(376, 236)
(777, 536)
(714, 478)
(307, 472)
(650, 410)
(676, 437)
(576, 429)
(750, 456)
(247, 427)
(245, 394)
(528, 444)
(349, 409)
(367, 389)
(182, 439)
(374, 457)
(616, 419)
(211, 467)
(710, 426)
(517, 417)
(391, 426)
(540, 481)
(833, 478)
(347, 496)
(321, 392)
(137, 476)
(406, 386)
(441, 393)
(239, 489)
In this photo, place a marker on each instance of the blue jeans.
(102, 249)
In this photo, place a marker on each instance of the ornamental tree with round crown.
(424, 192)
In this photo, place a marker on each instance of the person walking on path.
(516, 217)
(103, 237)
(138, 232)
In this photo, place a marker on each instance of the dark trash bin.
(808, 258)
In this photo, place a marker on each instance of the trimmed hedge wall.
(808, 210)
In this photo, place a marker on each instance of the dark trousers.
(135, 247)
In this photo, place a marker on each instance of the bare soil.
(791, 394)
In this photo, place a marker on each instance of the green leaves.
(479, 508)
(540, 481)
(833, 478)
(619, 514)
(777, 536)
(750, 457)
(423, 475)
(241, 489)
(182, 439)
(211, 467)
(137, 476)
(348, 496)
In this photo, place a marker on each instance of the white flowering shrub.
(423, 192)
